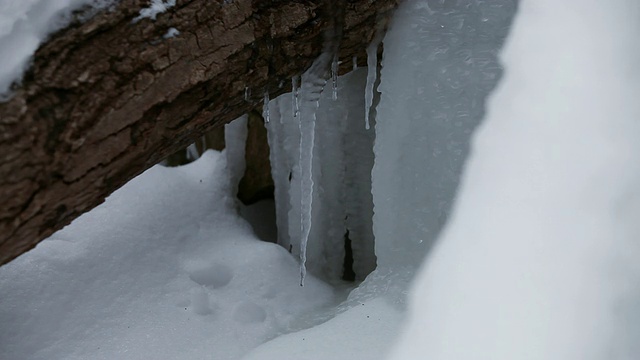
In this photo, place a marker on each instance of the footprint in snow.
(249, 313)
(200, 302)
(212, 276)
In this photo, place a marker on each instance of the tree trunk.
(106, 99)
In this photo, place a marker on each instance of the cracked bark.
(106, 99)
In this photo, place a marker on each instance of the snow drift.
(540, 260)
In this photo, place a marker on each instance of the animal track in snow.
(248, 313)
(200, 302)
(214, 275)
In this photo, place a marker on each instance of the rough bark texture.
(108, 98)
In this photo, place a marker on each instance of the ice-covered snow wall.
(342, 162)
(540, 258)
(439, 65)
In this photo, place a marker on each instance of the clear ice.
(372, 71)
(265, 107)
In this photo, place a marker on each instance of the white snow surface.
(164, 269)
(25, 24)
(155, 7)
(172, 32)
(362, 333)
(540, 259)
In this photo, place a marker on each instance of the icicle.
(355, 63)
(294, 94)
(372, 71)
(265, 107)
(312, 85)
(334, 77)
(235, 138)
(192, 152)
(247, 93)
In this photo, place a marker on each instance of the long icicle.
(311, 88)
(294, 94)
(372, 72)
(334, 78)
(265, 107)
(312, 83)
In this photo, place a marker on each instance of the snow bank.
(540, 260)
(25, 24)
(164, 269)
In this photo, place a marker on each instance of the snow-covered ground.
(537, 259)
(164, 269)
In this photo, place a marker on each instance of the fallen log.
(108, 98)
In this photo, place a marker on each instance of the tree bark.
(108, 98)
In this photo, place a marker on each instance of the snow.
(172, 32)
(164, 269)
(540, 260)
(361, 332)
(25, 24)
(155, 7)
(537, 259)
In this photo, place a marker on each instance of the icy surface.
(540, 260)
(235, 139)
(334, 78)
(295, 92)
(342, 162)
(25, 24)
(266, 115)
(372, 73)
(164, 269)
(311, 88)
(439, 65)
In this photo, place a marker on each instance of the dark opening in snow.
(348, 274)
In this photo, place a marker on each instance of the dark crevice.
(348, 274)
